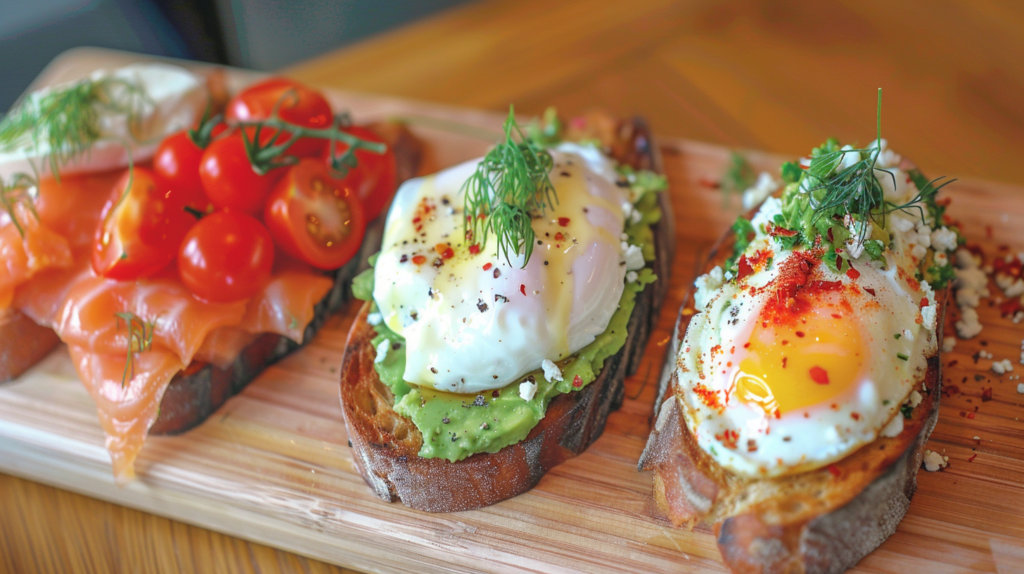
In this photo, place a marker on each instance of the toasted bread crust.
(386, 445)
(823, 520)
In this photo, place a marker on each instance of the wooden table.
(776, 76)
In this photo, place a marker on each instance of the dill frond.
(140, 340)
(509, 188)
(22, 190)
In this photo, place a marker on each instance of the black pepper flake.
(430, 292)
(414, 315)
(497, 273)
(396, 346)
(545, 262)
(444, 201)
(438, 262)
(403, 259)
(539, 242)
(446, 420)
(484, 426)
(501, 298)
(979, 378)
(481, 305)
(622, 183)
(433, 370)
(479, 401)
(565, 174)
(455, 438)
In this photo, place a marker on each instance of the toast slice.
(386, 444)
(823, 520)
(202, 388)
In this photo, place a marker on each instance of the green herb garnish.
(738, 176)
(510, 187)
(140, 340)
(902, 357)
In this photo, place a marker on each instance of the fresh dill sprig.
(22, 190)
(738, 176)
(140, 340)
(856, 189)
(66, 120)
(509, 188)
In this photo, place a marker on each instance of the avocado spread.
(456, 426)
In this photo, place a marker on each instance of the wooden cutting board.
(273, 464)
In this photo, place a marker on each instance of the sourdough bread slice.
(823, 520)
(386, 445)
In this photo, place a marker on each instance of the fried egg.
(793, 366)
(474, 321)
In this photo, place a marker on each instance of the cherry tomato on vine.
(229, 179)
(315, 218)
(375, 177)
(140, 228)
(176, 165)
(226, 256)
(296, 104)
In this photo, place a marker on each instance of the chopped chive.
(902, 356)
(897, 336)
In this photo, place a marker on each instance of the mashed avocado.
(456, 426)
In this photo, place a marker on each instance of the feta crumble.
(527, 390)
(374, 319)
(1002, 367)
(934, 461)
(762, 188)
(382, 351)
(707, 284)
(948, 344)
(551, 371)
(633, 256)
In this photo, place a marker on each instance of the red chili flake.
(834, 470)
(522, 289)
(474, 249)
(924, 302)
(819, 375)
(559, 236)
(777, 414)
(743, 268)
(448, 253)
(417, 219)
(728, 439)
(707, 396)
(950, 390)
(973, 456)
(775, 231)
(563, 221)
(870, 290)
(577, 382)
(855, 416)
(1010, 306)
(419, 259)
(784, 359)
(970, 415)
(487, 266)
(853, 273)
(801, 334)
(708, 182)
(986, 394)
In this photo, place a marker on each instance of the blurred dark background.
(259, 34)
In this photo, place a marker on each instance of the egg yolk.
(811, 360)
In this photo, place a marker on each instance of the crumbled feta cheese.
(1015, 290)
(551, 370)
(850, 158)
(374, 319)
(901, 223)
(631, 276)
(633, 256)
(630, 213)
(948, 344)
(943, 239)
(929, 315)
(886, 157)
(1020, 388)
(919, 251)
(707, 284)
(527, 390)
(934, 461)
(908, 334)
(914, 399)
(382, 351)
(968, 326)
(1002, 367)
(895, 426)
(941, 259)
(762, 188)
(983, 354)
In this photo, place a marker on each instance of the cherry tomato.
(226, 256)
(296, 104)
(375, 178)
(176, 165)
(140, 228)
(229, 179)
(315, 218)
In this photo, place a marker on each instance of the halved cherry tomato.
(296, 104)
(315, 218)
(140, 228)
(225, 257)
(229, 179)
(374, 178)
(176, 165)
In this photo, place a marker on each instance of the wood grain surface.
(745, 74)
